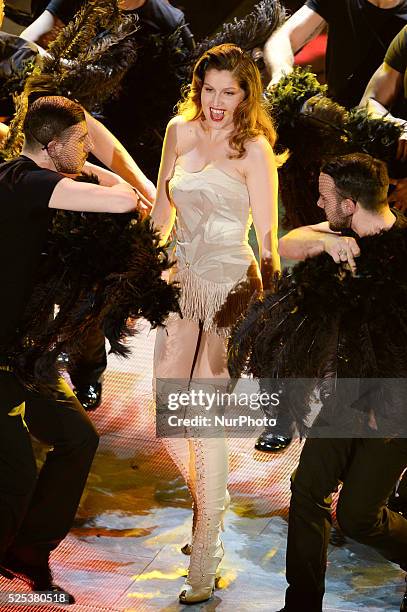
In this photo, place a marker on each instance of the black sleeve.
(322, 7)
(396, 56)
(36, 187)
(64, 9)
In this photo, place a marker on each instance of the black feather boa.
(251, 31)
(323, 323)
(312, 138)
(101, 269)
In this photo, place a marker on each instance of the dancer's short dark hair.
(360, 177)
(47, 117)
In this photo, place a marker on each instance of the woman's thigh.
(175, 349)
(211, 361)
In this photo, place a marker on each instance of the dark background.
(206, 16)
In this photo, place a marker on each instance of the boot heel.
(202, 589)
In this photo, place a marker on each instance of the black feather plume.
(251, 31)
(323, 324)
(315, 128)
(101, 269)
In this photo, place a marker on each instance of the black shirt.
(25, 192)
(358, 38)
(156, 16)
(64, 9)
(150, 89)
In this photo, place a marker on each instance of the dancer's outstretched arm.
(282, 45)
(109, 150)
(386, 84)
(312, 240)
(87, 197)
(43, 30)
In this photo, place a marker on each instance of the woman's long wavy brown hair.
(251, 117)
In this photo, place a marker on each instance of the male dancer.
(36, 514)
(353, 194)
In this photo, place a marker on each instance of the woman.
(217, 166)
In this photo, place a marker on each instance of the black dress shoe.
(37, 578)
(337, 537)
(268, 442)
(90, 396)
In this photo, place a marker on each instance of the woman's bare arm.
(262, 183)
(163, 213)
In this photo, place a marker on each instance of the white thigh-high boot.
(182, 453)
(179, 451)
(211, 469)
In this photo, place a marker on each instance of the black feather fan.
(314, 128)
(323, 323)
(101, 269)
(249, 32)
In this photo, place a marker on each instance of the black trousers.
(37, 511)
(369, 470)
(87, 366)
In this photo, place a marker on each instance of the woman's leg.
(210, 458)
(174, 353)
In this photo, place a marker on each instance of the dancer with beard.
(351, 293)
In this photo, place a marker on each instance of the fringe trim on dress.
(217, 305)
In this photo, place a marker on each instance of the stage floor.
(123, 553)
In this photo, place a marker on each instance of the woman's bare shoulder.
(259, 153)
(182, 125)
(186, 131)
(258, 147)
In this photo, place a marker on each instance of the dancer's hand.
(342, 249)
(149, 191)
(143, 205)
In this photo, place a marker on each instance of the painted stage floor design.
(123, 553)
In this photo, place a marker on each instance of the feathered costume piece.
(101, 269)
(249, 32)
(96, 48)
(86, 62)
(315, 128)
(17, 62)
(323, 324)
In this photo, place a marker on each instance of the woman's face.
(220, 96)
